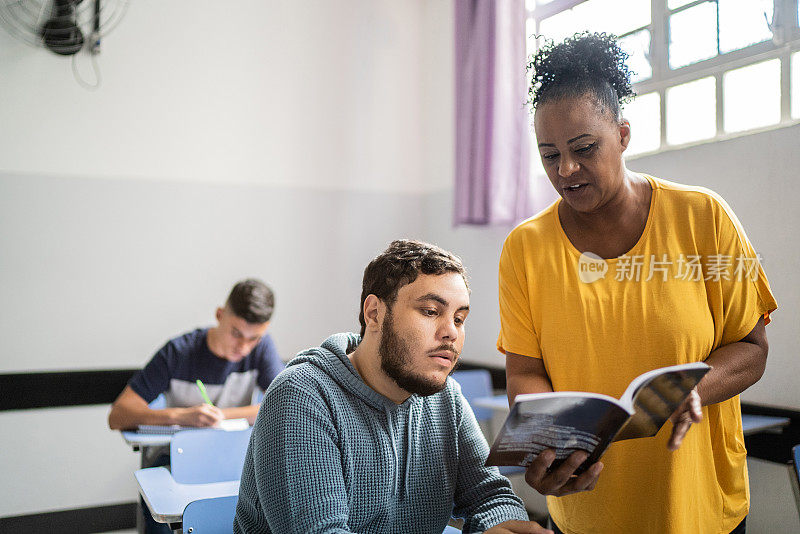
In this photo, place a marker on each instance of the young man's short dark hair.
(252, 300)
(400, 264)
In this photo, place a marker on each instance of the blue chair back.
(208, 455)
(159, 403)
(210, 516)
(451, 530)
(476, 383)
(795, 475)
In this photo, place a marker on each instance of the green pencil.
(203, 392)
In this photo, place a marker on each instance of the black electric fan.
(56, 24)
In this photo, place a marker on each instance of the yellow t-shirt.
(691, 283)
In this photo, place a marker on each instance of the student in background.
(233, 360)
(367, 433)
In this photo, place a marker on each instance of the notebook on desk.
(226, 424)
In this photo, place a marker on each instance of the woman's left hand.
(690, 411)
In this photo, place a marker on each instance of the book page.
(537, 432)
(654, 397)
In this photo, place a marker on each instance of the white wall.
(58, 459)
(301, 94)
(255, 138)
(278, 139)
(281, 139)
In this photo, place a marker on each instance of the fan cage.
(24, 18)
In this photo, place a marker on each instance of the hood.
(331, 357)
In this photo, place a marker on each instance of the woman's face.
(581, 147)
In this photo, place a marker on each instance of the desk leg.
(139, 517)
(151, 457)
(140, 511)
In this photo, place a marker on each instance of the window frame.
(785, 42)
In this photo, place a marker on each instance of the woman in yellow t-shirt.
(624, 274)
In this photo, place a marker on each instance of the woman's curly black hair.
(584, 63)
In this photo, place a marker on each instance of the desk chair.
(208, 455)
(478, 383)
(794, 474)
(159, 403)
(210, 516)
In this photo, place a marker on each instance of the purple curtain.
(492, 121)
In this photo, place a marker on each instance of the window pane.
(796, 85)
(752, 96)
(560, 26)
(604, 16)
(597, 16)
(691, 111)
(674, 4)
(530, 37)
(537, 169)
(693, 35)
(743, 23)
(637, 45)
(644, 114)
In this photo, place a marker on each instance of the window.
(690, 111)
(704, 69)
(752, 96)
(692, 35)
(645, 118)
(796, 85)
(637, 45)
(744, 23)
(603, 15)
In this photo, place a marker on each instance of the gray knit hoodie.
(329, 454)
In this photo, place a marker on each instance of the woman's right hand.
(560, 481)
(528, 375)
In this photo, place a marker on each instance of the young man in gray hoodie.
(367, 433)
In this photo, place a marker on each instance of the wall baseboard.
(76, 521)
(25, 391)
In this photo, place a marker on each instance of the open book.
(567, 421)
(225, 424)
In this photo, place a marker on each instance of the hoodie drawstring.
(408, 451)
(409, 440)
(392, 438)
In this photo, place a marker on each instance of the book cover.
(568, 421)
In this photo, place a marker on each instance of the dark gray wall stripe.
(77, 521)
(22, 391)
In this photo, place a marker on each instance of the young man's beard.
(395, 362)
